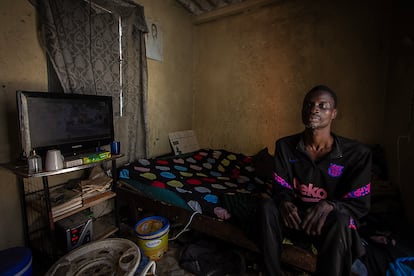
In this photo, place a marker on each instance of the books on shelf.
(63, 200)
(67, 207)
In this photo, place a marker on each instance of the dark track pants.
(337, 246)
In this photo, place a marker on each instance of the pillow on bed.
(263, 163)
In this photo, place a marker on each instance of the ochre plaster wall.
(170, 94)
(253, 69)
(22, 66)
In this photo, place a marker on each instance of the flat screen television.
(72, 123)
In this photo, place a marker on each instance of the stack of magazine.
(64, 200)
(93, 189)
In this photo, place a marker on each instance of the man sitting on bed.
(321, 189)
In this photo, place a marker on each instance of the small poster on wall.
(183, 141)
(154, 41)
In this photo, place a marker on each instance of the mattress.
(216, 183)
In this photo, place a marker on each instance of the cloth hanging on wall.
(91, 56)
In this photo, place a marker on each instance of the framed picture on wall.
(154, 41)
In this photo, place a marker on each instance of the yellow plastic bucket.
(152, 233)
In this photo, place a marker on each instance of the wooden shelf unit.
(39, 227)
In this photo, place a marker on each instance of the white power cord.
(185, 229)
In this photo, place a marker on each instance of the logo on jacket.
(309, 192)
(352, 224)
(335, 170)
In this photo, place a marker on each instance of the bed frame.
(383, 193)
(136, 202)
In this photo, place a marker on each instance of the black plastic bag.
(207, 258)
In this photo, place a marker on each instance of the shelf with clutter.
(81, 201)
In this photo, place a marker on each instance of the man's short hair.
(325, 89)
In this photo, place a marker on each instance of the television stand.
(39, 219)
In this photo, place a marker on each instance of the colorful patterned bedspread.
(204, 179)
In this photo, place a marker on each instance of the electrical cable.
(185, 229)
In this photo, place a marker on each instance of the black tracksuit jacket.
(342, 177)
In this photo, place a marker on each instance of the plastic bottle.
(35, 162)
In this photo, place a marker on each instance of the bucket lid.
(150, 226)
(14, 260)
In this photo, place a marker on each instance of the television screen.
(73, 123)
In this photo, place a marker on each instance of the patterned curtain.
(91, 56)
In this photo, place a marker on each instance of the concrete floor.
(168, 265)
